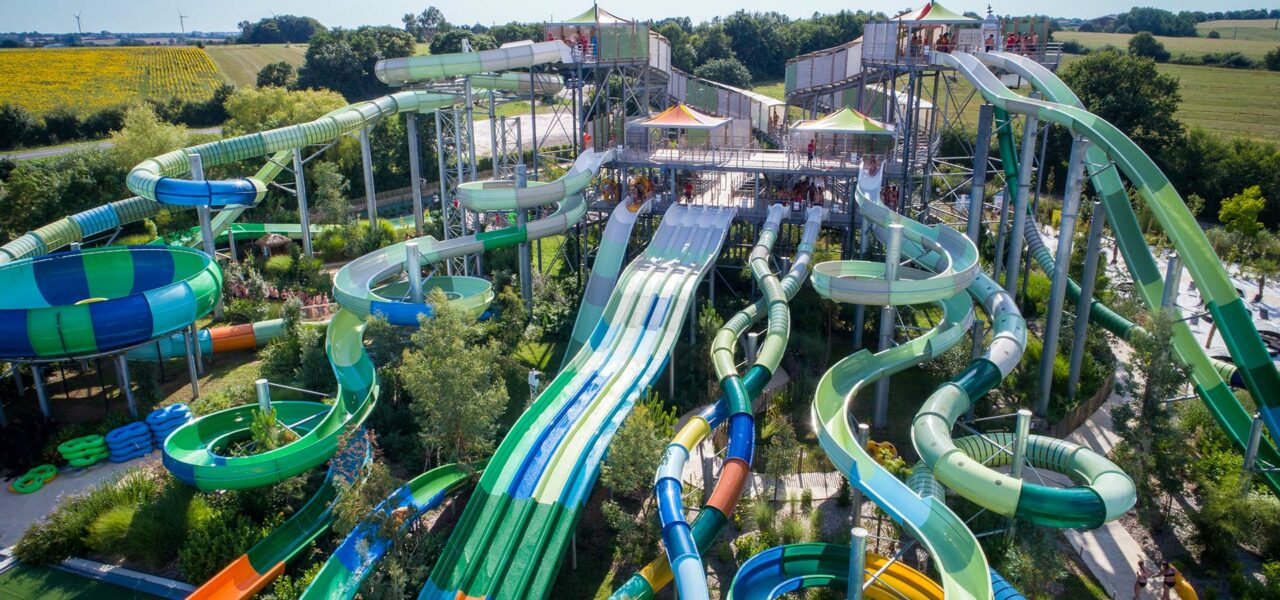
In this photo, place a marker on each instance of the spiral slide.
(512, 536)
(1226, 409)
(684, 541)
(101, 300)
(359, 553)
(784, 569)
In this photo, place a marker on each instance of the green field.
(240, 64)
(1260, 29)
(1191, 46)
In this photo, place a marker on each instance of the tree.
(683, 56)
(450, 42)
(1130, 93)
(781, 449)
(426, 26)
(516, 32)
(1272, 59)
(1152, 443)
(449, 373)
(1240, 212)
(17, 126)
(143, 136)
(279, 29)
(759, 41)
(725, 70)
(712, 43)
(637, 449)
(1146, 45)
(344, 60)
(329, 194)
(277, 74)
(253, 110)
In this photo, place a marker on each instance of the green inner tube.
(82, 446)
(28, 483)
(45, 472)
(90, 459)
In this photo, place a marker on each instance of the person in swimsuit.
(1170, 576)
(1141, 582)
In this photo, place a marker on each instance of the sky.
(56, 16)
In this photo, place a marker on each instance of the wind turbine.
(78, 29)
(182, 21)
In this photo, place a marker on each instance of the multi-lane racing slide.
(511, 538)
(794, 567)
(1231, 416)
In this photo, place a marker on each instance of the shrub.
(108, 533)
(806, 499)
(62, 534)
(278, 267)
(1272, 59)
(214, 542)
(792, 530)
(1146, 45)
(17, 126)
(1213, 35)
(244, 310)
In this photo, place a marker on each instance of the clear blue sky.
(222, 15)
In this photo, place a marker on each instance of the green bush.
(793, 530)
(62, 535)
(278, 266)
(108, 534)
(215, 541)
(246, 310)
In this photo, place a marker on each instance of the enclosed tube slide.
(785, 569)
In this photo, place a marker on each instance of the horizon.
(158, 16)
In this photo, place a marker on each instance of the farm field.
(1257, 29)
(88, 79)
(1193, 46)
(240, 64)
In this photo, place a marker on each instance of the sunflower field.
(88, 79)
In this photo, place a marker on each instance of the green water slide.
(513, 534)
(1110, 148)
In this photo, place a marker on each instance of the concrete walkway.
(19, 511)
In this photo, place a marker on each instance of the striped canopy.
(594, 16)
(681, 116)
(934, 14)
(845, 120)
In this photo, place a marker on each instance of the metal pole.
(533, 120)
(860, 310)
(1084, 304)
(42, 393)
(893, 253)
(857, 562)
(205, 213)
(304, 209)
(192, 371)
(522, 219)
(17, 380)
(1251, 453)
(979, 336)
(444, 190)
(366, 163)
(1014, 266)
(1058, 288)
(414, 269)
(864, 435)
(415, 170)
(231, 243)
(1022, 430)
(978, 189)
(1173, 273)
(122, 376)
(195, 342)
(264, 395)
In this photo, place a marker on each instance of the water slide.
(685, 542)
(1226, 409)
(604, 272)
(794, 567)
(513, 533)
(359, 553)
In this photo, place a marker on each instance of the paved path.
(69, 148)
(19, 511)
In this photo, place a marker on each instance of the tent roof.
(932, 12)
(845, 120)
(681, 116)
(594, 16)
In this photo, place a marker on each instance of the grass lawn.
(28, 582)
(240, 64)
(1243, 29)
(1194, 46)
(774, 89)
(1232, 102)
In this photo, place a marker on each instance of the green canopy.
(845, 120)
(594, 16)
(934, 13)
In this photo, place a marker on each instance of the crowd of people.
(922, 41)
(582, 44)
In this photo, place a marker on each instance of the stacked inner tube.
(163, 421)
(84, 451)
(34, 479)
(129, 442)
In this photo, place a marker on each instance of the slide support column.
(414, 269)
(415, 169)
(1173, 273)
(860, 310)
(263, 389)
(857, 562)
(522, 220)
(1022, 430)
(304, 210)
(977, 191)
(42, 393)
(206, 223)
(1058, 288)
(122, 378)
(1251, 453)
(1084, 304)
(366, 164)
(1014, 259)
(893, 253)
(864, 435)
(192, 371)
(195, 343)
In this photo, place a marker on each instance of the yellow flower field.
(87, 79)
